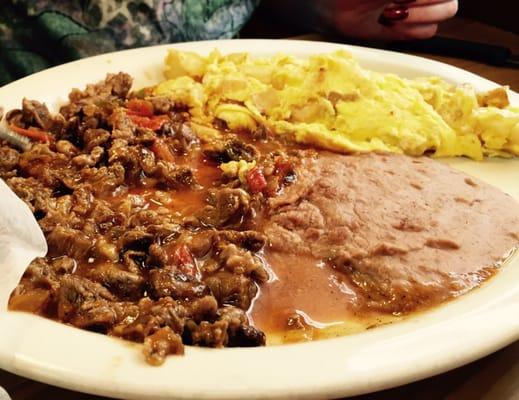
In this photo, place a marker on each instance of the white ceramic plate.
(427, 344)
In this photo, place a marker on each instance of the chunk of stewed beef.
(8, 159)
(74, 291)
(94, 137)
(228, 208)
(229, 329)
(203, 308)
(169, 281)
(234, 149)
(124, 284)
(249, 240)
(137, 321)
(33, 192)
(170, 176)
(160, 344)
(241, 261)
(117, 85)
(36, 114)
(104, 179)
(232, 289)
(73, 242)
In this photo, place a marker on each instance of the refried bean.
(380, 233)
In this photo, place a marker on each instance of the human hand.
(383, 20)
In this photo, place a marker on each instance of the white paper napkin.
(21, 240)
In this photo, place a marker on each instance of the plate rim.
(25, 364)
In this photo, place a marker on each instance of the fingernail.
(395, 13)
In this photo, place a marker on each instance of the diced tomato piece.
(283, 167)
(33, 133)
(154, 123)
(162, 151)
(256, 180)
(144, 108)
(183, 256)
(185, 262)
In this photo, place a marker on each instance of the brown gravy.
(304, 285)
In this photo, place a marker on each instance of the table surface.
(493, 377)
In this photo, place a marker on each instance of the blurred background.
(498, 13)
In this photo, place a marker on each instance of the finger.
(419, 14)
(431, 13)
(413, 3)
(412, 31)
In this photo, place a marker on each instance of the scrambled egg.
(330, 101)
(237, 169)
